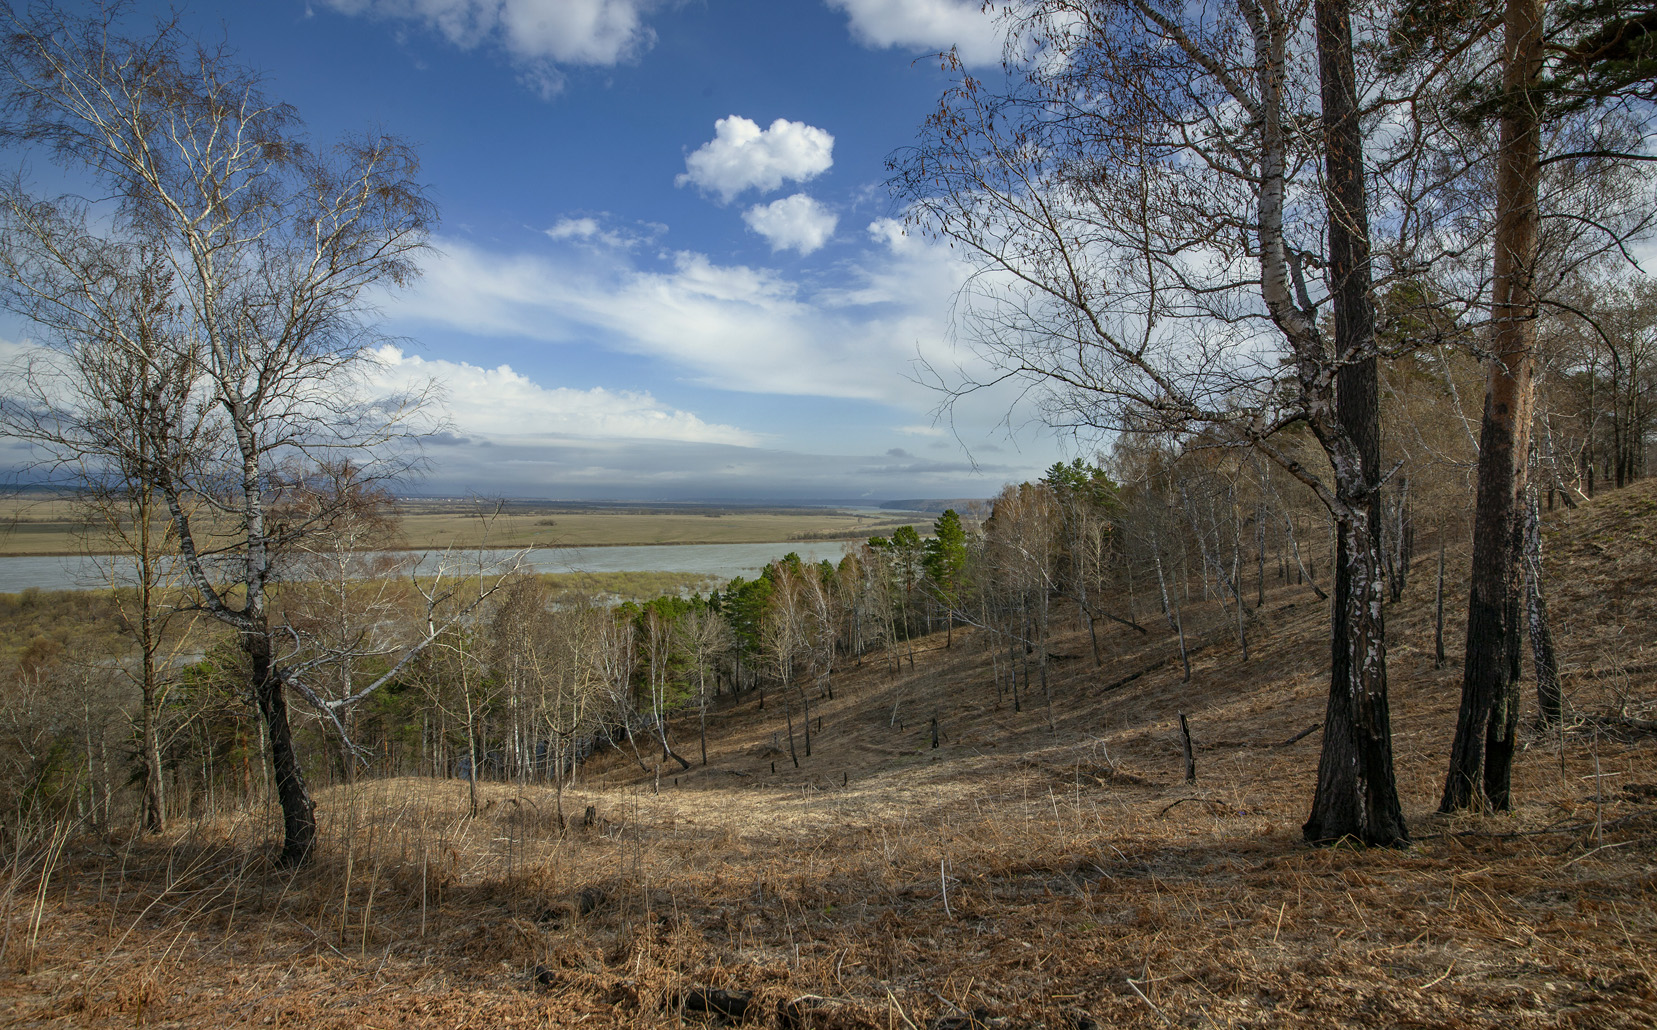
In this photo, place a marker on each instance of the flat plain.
(524, 524)
(36, 524)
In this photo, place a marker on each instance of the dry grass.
(1037, 864)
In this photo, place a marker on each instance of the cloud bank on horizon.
(499, 402)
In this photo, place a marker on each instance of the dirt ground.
(1044, 866)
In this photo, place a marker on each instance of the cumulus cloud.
(499, 402)
(537, 35)
(793, 223)
(741, 156)
(926, 25)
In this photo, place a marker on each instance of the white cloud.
(499, 402)
(513, 436)
(793, 223)
(880, 335)
(601, 233)
(926, 25)
(571, 468)
(906, 272)
(574, 228)
(538, 35)
(742, 155)
(731, 326)
(890, 232)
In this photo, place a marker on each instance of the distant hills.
(933, 506)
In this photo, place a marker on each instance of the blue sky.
(667, 267)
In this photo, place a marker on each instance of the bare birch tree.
(1148, 205)
(268, 250)
(105, 402)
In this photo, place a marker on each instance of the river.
(724, 561)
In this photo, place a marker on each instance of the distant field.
(33, 526)
(592, 528)
(41, 525)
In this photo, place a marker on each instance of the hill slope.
(1043, 865)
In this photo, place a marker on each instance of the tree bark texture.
(1481, 758)
(1549, 702)
(298, 810)
(1186, 751)
(1357, 793)
(155, 802)
(1438, 603)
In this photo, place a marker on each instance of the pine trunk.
(1489, 714)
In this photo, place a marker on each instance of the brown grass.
(1037, 864)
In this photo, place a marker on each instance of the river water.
(724, 561)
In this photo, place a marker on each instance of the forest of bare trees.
(1328, 291)
(528, 685)
(1166, 239)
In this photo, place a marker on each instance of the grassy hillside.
(1046, 866)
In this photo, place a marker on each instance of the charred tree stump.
(788, 711)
